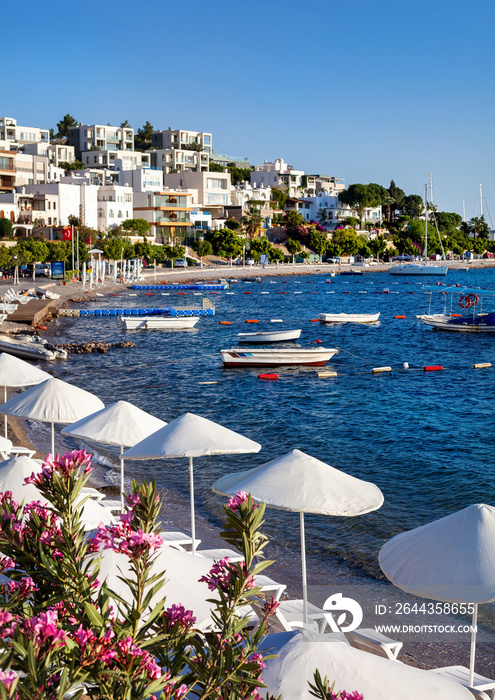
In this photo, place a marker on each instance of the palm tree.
(252, 221)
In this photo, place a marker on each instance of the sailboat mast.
(481, 202)
(425, 253)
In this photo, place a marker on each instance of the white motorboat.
(268, 357)
(349, 318)
(269, 336)
(30, 348)
(472, 319)
(159, 323)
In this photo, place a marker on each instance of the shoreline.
(176, 502)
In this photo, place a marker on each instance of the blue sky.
(367, 91)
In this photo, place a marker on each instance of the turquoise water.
(425, 438)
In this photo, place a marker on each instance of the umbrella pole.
(5, 401)
(121, 479)
(303, 564)
(473, 644)
(191, 488)
(53, 440)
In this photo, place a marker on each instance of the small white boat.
(159, 323)
(30, 348)
(269, 336)
(268, 357)
(419, 270)
(349, 318)
(482, 323)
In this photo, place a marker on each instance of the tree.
(293, 247)
(64, 124)
(346, 241)
(5, 256)
(142, 140)
(225, 243)
(74, 220)
(232, 224)
(317, 242)
(479, 227)
(279, 197)
(5, 228)
(412, 205)
(252, 221)
(140, 227)
(378, 246)
(349, 222)
(360, 197)
(260, 246)
(202, 248)
(276, 254)
(125, 125)
(322, 216)
(192, 147)
(72, 165)
(397, 196)
(237, 174)
(117, 248)
(216, 167)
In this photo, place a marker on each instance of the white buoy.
(377, 370)
(322, 375)
(405, 365)
(481, 365)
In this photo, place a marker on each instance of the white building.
(178, 138)
(168, 212)
(11, 131)
(55, 152)
(327, 205)
(77, 198)
(278, 174)
(115, 205)
(104, 158)
(211, 190)
(175, 160)
(141, 179)
(107, 138)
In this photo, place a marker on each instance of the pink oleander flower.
(65, 466)
(121, 538)
(270, 607)
(177, 614)
(235, 501)
(6, 563)
(44, 628)
(23, 587)
(223, 573)
(258, 659)
(7, 678)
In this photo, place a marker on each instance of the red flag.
(67, 233)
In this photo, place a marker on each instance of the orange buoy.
(225, 323)
(318, 340)
(214, 292)
(41, 328)
(247, 292)
(181, 293)
(252, 320)
(148, 294)
(456, 315)
(268, 376)
(399, 316)
(314, 320)
(432, 368)
(345, 292)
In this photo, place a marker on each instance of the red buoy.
(433, 368)
(268, 376)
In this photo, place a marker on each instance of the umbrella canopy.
(301, 483)
(53, 401)
(14, 471)
(5, 444)
(16, 372)
(302, 652)
(451, 559)
(182, 585)
(120, 424)
(191, 436)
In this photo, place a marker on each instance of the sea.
(425, 438)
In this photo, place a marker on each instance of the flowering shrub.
(63, 630)
(324, 691)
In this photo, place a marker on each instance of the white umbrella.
(182, 585)
(451, 559)
(120, 424)
(300, 483)
(5, 444)
(16, 372)
(14, 471)
(191, 436)
(53, 401)
(300, 653)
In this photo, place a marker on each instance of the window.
(110, 213)
(119, 216)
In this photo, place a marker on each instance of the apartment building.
(55, 152)
(168, 212)
(326, 208)
(104, 158)
(87, 137)
(115, 205)
(181, 139)
(7, 170)
(141, 179)
(173, 160)
(77, 198)
(323, 183)
(210, 190)
(11, 131)
(278, 174)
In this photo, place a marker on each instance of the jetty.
(202, 287)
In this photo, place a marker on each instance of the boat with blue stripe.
(473, 318)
